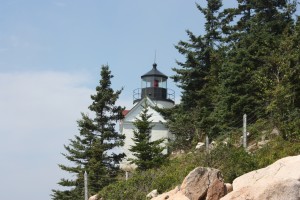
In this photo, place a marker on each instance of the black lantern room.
(154, 86)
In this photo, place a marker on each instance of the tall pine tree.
(245, 77)
(88, 151)
(148, 154)
(193, 75)
(198, 77)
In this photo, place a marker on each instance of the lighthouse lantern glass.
(156, 82)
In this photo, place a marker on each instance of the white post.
(126, 175)
(245, 131)
(85, 186)
(207, 143)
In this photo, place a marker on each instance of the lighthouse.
(154, 86)
(154, 92)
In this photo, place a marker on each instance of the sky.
(51, 52)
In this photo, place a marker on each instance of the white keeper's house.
(155, 92)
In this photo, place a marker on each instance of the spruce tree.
(88, 151)
(193, 74)
(253, 68)
(198, 76)
(148, 154)
(246, 71)
(282, 90)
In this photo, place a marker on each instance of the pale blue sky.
(50, 55)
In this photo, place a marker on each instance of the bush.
(231, 160)
(275, 150)
(141, 183)
(291, 126)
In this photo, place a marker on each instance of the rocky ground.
(278, 181)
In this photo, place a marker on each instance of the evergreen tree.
(193, 75)
(198, 76)
(89, 150)
(148, 153)
(245, 81)
(222, 78)
(283, 90)
(183, 125)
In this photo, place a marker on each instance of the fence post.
(126, 175)
(245, 131)
(207, 143)
(85, 186)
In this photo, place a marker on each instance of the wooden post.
(207, 143)
(85, 186)
(126, 175)
(245, 131)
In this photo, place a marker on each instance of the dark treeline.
(248, 61)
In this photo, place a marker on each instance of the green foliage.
(182, 125)
(235, 161)
(148, 154)
(141, 183)
(247, 61)
(274, 150)
(88, 150)
(200, 56)
(231, 160)
(290, 126)
(198, 77)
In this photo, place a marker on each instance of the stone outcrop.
(281, 180)
(275, 132)
(152, 194)
(216, 190)
(229, 187)
(200, 184)
(200, 146)
(174, 194)
(95, 197)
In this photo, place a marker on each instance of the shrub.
(232, 161)
(275, 150)
(141, 183)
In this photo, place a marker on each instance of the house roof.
(125, 112)
(135, 111)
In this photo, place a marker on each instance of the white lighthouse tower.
(154, 92)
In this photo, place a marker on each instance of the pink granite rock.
(280, 180)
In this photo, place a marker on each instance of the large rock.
(229, 187)
(200, 184)
(95, 197)
(275, 132)
(216, 190)
(174, 194)
(200, 146)
(281, 180)
(200, 180)
(152, 194)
